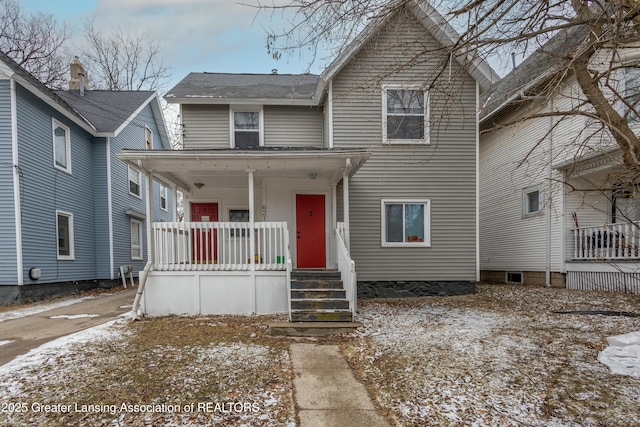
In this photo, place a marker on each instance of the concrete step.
(321, 316)
(319, 304)
(318, 293)
(316, 284)
(311, 329)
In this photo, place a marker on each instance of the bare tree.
(495, 28)
(123, 60)
(35, 42)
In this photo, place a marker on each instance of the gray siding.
(8, 260)
(293, 126)
(45, 189)
(101, 206)
(443, 171)
(133, 137)
(206, 126)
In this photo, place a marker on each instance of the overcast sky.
(197, 35)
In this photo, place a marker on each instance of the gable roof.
(35, 86)
(308, 89)
(271, 89)
(101, 113)
(533, 72)
(441, 30)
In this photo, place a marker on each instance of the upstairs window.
(532, 200)
(135, 179)
(246, 129)
(61, 147)
(632, 92)
(148, 138)
(405, 115)
(406, 223)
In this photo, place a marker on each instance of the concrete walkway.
(326, 392)
(25, 333)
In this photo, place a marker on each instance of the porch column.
(148, 178)
(345, 204)
(252, 241)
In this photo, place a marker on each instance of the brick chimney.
(79, 77)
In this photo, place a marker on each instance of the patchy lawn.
(500, 357)
(173, 371)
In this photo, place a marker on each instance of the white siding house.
(548, 183)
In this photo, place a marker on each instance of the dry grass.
(500, 357)
(229, 361)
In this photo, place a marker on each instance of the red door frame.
(311, 231)
(201, 241)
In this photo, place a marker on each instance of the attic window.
(148, 138)
(61, 147)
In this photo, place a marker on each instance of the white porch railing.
(347, 267)
(612, 241)
(223, 246)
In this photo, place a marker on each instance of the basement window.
(514, 277)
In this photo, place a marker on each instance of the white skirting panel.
(612, 281)
(204, 293)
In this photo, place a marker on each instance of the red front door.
(310, 231)
(205, 248)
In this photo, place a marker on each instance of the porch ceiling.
(229, 167)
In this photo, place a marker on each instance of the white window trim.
(246, 109)
(525, 200)
(148, 131)
(72, 254)
(632, 121)
(139, 196)
(427, 112)
(163, 195)
(54, 125)
(427, 223)
(140, 247)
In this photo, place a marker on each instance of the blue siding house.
(71, 213)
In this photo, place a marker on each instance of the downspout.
(110, 211)
(549, 189)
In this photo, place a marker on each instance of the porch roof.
(228, 167)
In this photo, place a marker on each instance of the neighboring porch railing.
(347, 267)
(219, 246)
(612, 241)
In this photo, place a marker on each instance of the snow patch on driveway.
(28, 311)
(73, 316)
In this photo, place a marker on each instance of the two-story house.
(369, 168)
(71, 213)
(553, 207)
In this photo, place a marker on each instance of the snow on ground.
(128, 374)
(497, 358)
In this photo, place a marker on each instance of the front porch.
(235, 254)
(208, 268)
